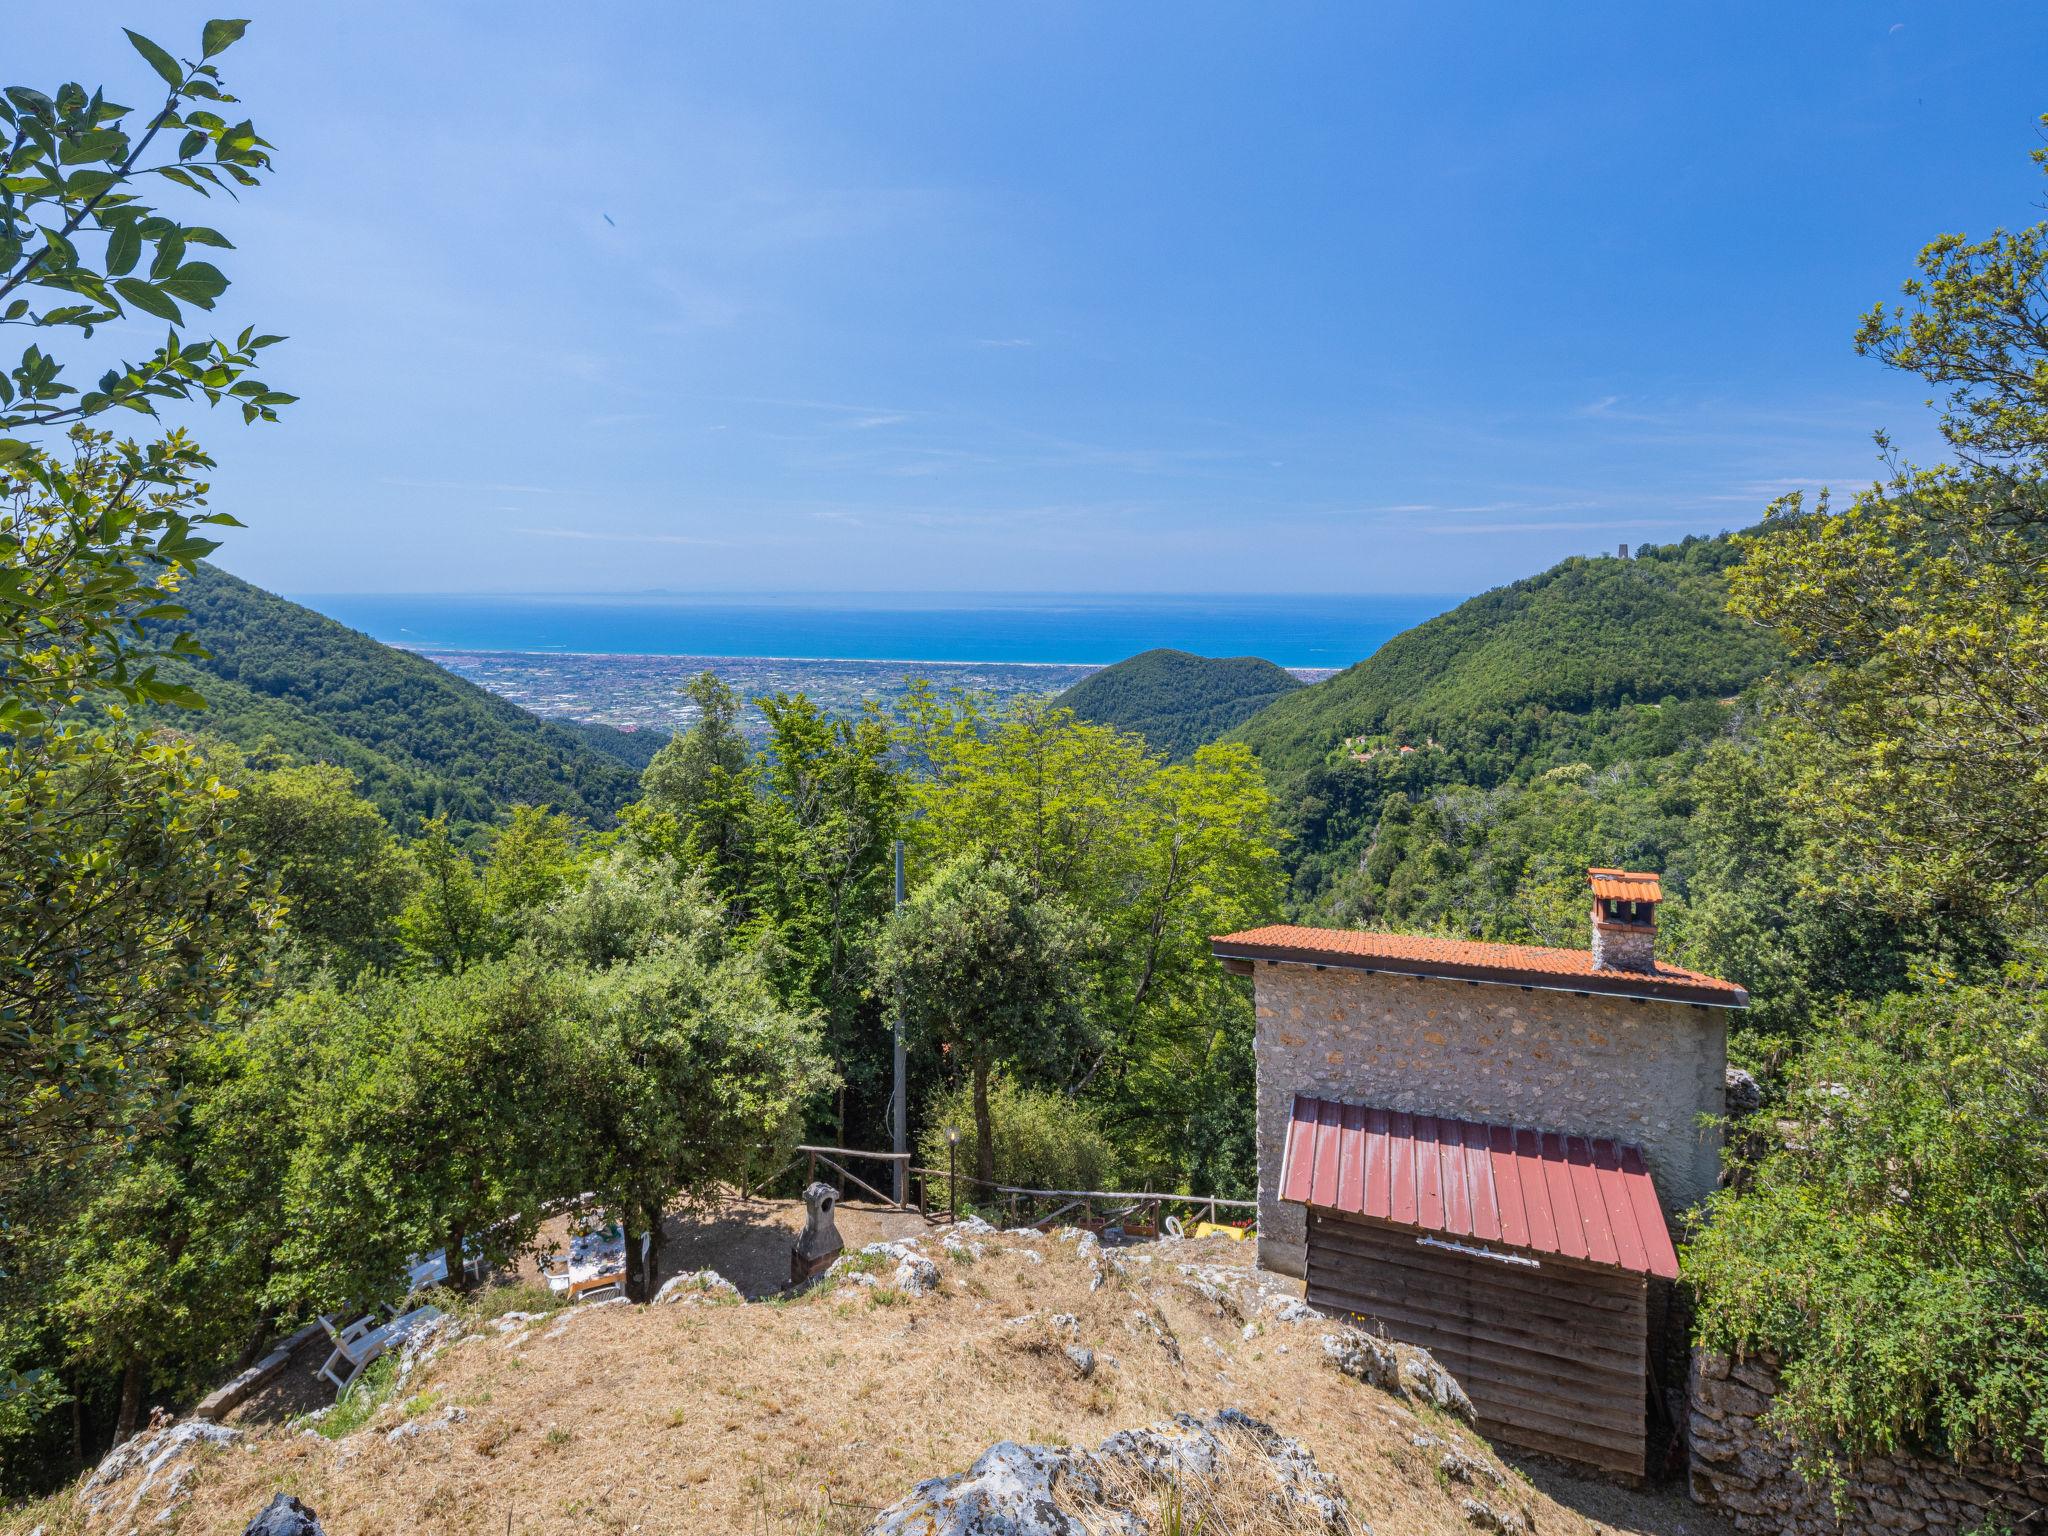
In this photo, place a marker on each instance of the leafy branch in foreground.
(74, 228)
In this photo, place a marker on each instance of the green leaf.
(219, 36)
(196, 282)
(170, 250)
(86, 148)
(12, 448)
(175, 693)
(62, 252)
(124, 248)
(145, 297)
(160, 61)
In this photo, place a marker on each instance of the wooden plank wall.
(1552, 1357)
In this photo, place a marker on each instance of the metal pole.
(898, 1118)
(952, 1180)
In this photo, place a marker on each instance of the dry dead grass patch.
(809, 1416)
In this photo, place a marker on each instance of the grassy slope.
(806, 1416)
(1585, 635)
(1178, 701)
(420, 740)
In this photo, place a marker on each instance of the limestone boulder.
(1048, 1490)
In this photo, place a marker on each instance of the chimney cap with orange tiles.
(1624, 885)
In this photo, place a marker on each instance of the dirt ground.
(807, 1415)
(748, 1242)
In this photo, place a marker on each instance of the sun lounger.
(364, 1340)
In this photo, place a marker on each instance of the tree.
(83, 547)
(626, 906)
(993, 971)
(434, 1120)
(1923, 606)
(531, 861)
(685, 1076)
(129, 926)
(127, 919)
(701, 778)
(446, 924)
(1155, 858)
(1892, 1247)
(343, 878)
(828, 803)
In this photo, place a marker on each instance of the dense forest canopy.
(285, 683)
(1178, 701)
(1586, 636)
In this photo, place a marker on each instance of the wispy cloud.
(1004, 341)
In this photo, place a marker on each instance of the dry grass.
(808, 1416)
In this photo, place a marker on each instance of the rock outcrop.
(700, 1287)
(1057, 1490)
(284, 1516)
(1404, 1368)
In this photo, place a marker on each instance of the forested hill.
(1484, 680)
(421, 741)
(1175, 700)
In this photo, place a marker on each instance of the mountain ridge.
(1176, 700)
(283, 678)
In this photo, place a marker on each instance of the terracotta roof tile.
(1624, 885)
(1526, 965)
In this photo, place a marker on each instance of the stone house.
(1481, 1148)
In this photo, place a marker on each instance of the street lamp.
(952, 1175)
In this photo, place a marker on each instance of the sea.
(1310, 634)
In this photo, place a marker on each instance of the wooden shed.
(1520, 1258)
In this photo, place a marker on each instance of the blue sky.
(1108, 297)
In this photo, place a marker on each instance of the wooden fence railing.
(830, 1157)
(1139, 1213)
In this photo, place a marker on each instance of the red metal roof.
(1625, 885)
(1576, 1196)
(1526, 965)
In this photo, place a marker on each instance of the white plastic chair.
(365, 1339)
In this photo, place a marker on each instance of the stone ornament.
(820, 1242)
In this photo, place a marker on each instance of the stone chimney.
(1624, 920)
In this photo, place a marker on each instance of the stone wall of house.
(1746, 1472)
(1640, 1072)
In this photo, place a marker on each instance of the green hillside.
(420, 740)
(1178, 701)
(1591, 665)
(1485, 679)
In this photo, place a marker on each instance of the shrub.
(1043, 1139)
(1893, 1248)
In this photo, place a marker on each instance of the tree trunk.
(130, 1417)
(458, 1272)
(654, 1237)
(630, 1232)
(984, 1127)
